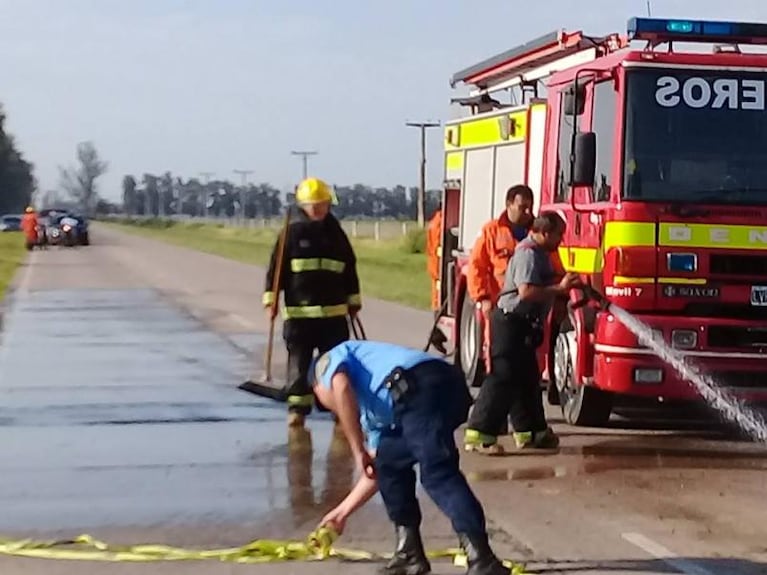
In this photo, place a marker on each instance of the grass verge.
(12, 254)
(388, 269)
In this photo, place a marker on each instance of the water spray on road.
(712, 392)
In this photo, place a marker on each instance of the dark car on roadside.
(82, 229)
(10, 223)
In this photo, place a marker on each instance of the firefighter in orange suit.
(433, 263)
(29, 224)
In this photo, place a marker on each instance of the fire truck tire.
(468, 356)
(581, 405)
(552, 393)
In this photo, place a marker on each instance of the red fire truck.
(657, 158)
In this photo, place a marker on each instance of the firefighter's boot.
(481, 443)
(296, 419)
(409, 556)
(545, 439)
(479, 557)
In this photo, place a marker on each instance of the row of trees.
(168, 195)
(17, 182)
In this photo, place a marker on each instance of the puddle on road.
(619, 456)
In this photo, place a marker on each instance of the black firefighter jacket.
(319, 270)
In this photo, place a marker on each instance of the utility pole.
(304, 158)
(206, 176)
(423, 126)
(244, 174)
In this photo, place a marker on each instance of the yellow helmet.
(315, 191)
(30, 209)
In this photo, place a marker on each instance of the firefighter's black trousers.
(302, 337)
(513, 386)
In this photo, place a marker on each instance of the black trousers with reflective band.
(302, 337)
(513, 385)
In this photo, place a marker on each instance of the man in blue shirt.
(399, 407)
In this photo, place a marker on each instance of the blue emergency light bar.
(659, 30)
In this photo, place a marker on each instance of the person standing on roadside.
(29, 225)
(516, 327)
(433, 265)
(490, 257)
(320, 288)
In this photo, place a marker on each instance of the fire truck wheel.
(468, 356)
(581, 405)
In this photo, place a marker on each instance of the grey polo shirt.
(530, 264)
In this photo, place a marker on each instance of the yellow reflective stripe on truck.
(642, 234)
(504, 128)
(580, 260)
(454, 161)
(628, 234)
(587, 260)
(713, 236)
(298, 265)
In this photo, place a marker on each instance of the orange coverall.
(487, 267)
(433, 253)
(490, 258)
(29, 226)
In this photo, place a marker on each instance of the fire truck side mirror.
(584, 159)
(575, 104)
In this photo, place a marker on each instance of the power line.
(305, 160)
(422, 126)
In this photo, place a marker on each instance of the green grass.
(388, 269)
(12, 254)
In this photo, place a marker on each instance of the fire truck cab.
(657, 159)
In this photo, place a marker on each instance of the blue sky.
(218, 85)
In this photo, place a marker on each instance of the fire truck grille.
(741, 379)
(736, 336)
(726, 311)
(738, 265)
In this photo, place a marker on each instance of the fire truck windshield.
(695, 135)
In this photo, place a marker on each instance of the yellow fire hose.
(318, 546)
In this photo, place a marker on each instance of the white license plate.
(759, 295)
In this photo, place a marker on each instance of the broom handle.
(275, 288)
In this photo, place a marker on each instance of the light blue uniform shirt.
(367, 364)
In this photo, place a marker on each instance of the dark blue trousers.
(426, 421)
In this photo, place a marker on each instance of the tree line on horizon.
(17, 181)
(166, 195)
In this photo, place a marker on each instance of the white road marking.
(666, 555)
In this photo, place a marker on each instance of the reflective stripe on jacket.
(319, 270)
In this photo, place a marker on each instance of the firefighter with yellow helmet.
(320, 288)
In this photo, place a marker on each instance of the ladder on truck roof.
(527, 64)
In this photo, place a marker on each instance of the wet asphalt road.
(119, 416)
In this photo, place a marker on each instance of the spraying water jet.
(709, 389)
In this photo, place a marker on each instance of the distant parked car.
(10, 223)
(82, 229)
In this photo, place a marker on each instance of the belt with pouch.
(532, 326)
(398, 385)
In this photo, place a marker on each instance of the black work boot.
(409, 557)
(479, 556)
